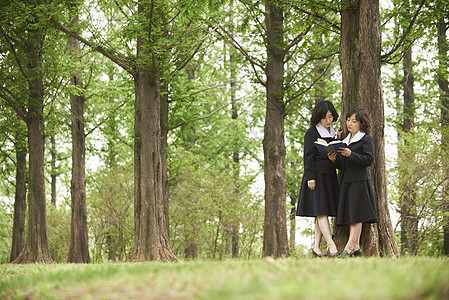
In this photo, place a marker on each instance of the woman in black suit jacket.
(357, 203)
(318, 196)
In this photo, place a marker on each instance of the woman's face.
(352, 124)
(327, 121)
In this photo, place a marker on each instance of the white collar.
(323, 131)
(358, 136)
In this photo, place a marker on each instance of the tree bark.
(36, 246)
(319, 71)
(189, 138)
(53, 169)
(18, 230)
(444, 98)
(275, 241)
(235, 157)
(164, 146)
(151, 235)
(79, 245)
(360, 59)
(409, 223)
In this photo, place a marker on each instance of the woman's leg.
(323, 223)
(355, 230)
(318, 236)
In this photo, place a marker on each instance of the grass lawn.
(292, 278)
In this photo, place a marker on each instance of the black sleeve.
(309, 156)
(339, 161)
(364, 159)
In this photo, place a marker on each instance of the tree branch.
(312, 84)
(104, 120)
(121, 10)
(10, 99)
(317, 16)
(115, 58)
(404, 35)
(297, 39)
(203, 117)
(229, 39)
(10, 44)
(261, 28)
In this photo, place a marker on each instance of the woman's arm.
(366, 158)
(309, 156)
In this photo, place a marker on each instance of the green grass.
(302, 278)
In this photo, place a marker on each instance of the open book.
(331, 147)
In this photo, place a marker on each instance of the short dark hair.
(320, 110)
(363, 117)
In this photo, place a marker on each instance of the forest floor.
(291, 278)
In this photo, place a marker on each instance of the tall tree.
(36, 246)
(191, 240)
(360, 60)
(79, 245)
(53, 169)
(236, 154)
(409, 224)
(152, 241)
(25, 37)
(18, 231)
(275, 242)
(444, 98)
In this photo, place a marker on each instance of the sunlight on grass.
(304, 278)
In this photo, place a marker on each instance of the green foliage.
(58, 227)
(426, 167)
(6, 221)
(110, 213)
(207, 203)
(411, 278)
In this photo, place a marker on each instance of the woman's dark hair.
(320, 110)
(362, 116)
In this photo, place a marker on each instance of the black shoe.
(344, 254)
(336, 254)
(356, 253)
(318, 255)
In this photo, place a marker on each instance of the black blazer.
(314, 161)
(356, 167)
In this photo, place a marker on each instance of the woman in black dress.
(318, 196)
(357, 203)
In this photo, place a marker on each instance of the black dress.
(324, 199)
(357, 201)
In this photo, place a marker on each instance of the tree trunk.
(164, 145)
(319, 71)
(79, 245)
(349, 63)
(235, 158)
(292, 239)
(275, 241)
(151, 235)
(444, 96)
(153, 241)
(53, 169)
(18, 229)
(360, 59)
(189, 138)
(409, 223)
(36, 246)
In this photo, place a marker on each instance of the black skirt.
(357, 203)
(323, 200)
